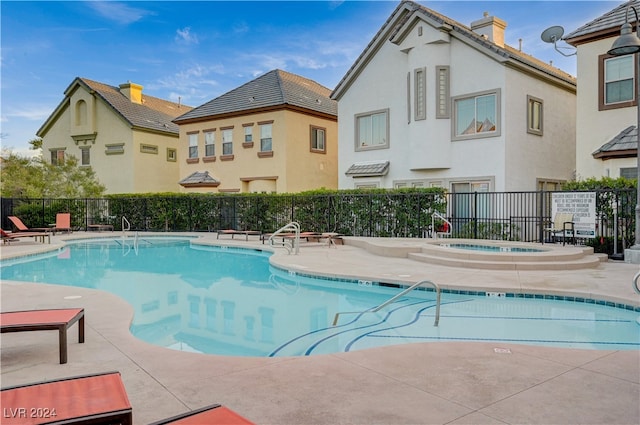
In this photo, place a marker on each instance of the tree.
(34, 178)
(35, 143)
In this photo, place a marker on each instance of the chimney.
(490, 27)
(133, 91)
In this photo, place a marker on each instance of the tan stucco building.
(277, 133)
(128, 138)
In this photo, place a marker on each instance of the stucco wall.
(421, 149)
(292, 168)
(126, 172)
(529, 157)
(595, 128)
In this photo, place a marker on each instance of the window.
(476, 115)
(193, 145)
(318, 140)
(227, 142)
(616, 82)
(85, 157)
(468, 202)
(372, 130)
(442, 92)
(534, 115)
(172, 155)
(209, 143)
(57, 156)
(618, 79)
(629, 173)
(248, 134)
(265, 137)
(420, 93)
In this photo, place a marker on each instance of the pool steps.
(428, 251)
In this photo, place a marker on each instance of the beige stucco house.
(127, 137)
(276, 133)
(434, 102)
(607, 138)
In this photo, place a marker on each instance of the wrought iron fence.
(517, 216)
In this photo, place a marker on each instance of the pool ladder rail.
(395, 297)
(288, 244)
(126, 226)
(447, 225)
(635, 283)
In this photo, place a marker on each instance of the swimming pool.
(230, 301)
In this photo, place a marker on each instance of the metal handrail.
(433, 225)
(395, 297)
(635, 282)
(128, 227)
(295, 245)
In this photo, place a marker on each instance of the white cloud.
(35, 113)
(185, 36)
(118, 12)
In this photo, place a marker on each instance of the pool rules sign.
(583, 207)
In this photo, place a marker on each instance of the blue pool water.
(230, 301)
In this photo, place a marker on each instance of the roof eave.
(369, 52)
(626, 153)
(254, 111)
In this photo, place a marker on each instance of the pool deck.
(425, 383)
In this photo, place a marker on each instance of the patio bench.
(45, 320)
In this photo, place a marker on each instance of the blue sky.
(198, 50)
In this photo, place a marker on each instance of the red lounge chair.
(233, 232)
(45, 320)
(63, 223)
(89, 399)
(23, 228)
(210, 415)
(13, 236)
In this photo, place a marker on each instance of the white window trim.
(212, 140)
(227, 141)
(193, 143)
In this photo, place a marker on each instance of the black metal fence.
(517, 216)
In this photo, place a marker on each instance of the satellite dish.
(552, 34)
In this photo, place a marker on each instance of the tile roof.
(275, 88)
(199, 179)
(610, 21)
(622, 145)
(368, 169)
(412, 8)
(153, 114)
